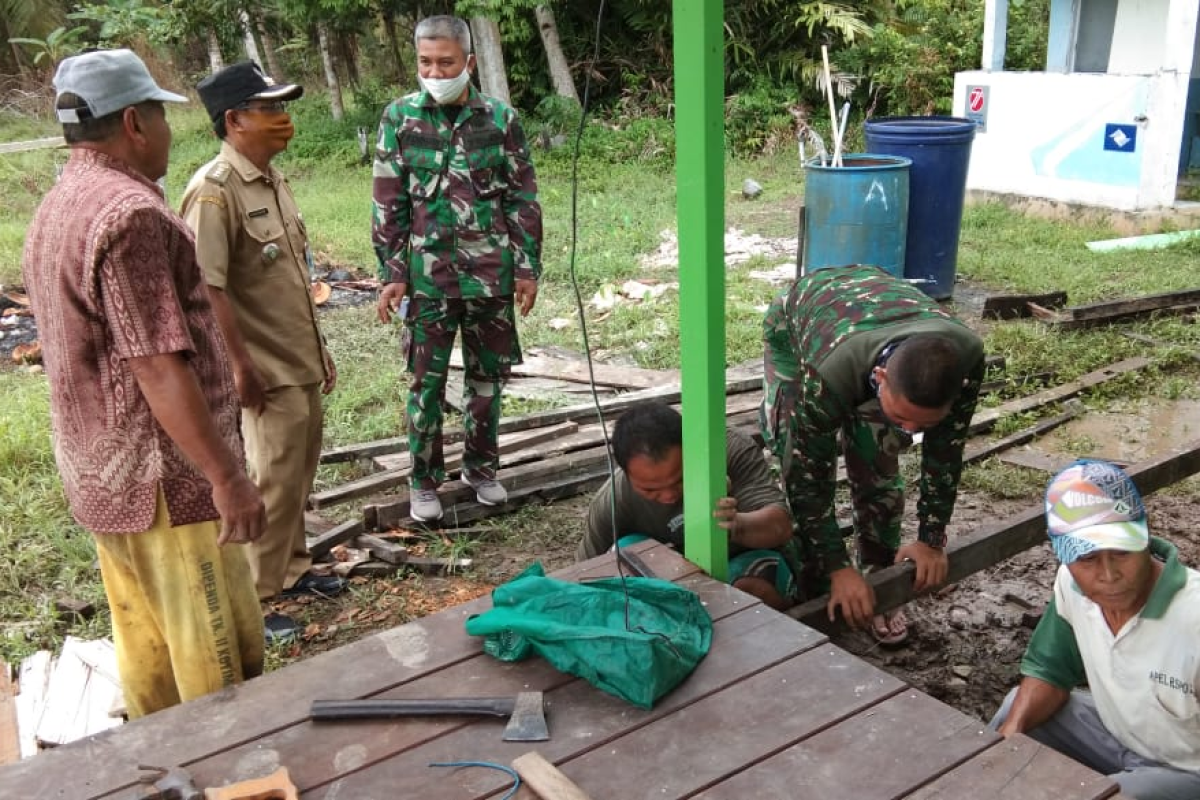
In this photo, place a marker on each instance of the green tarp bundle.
(581, 629)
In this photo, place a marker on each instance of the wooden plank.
(508, 443)
(1079, 324)
(1019, 768)
(980, 451)
(992, 544)
(745, 723)
(382, 549)
(985, 419)
(1014, 306)
(1119, 309)
(870, 756)
(315, 524)
(521, 481)
(373, 484)
(1036, 460)
(319, 547)
(10, 742)
(582, 720)
(603, 374)
(575, 413)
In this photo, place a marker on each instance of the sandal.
(890, 629)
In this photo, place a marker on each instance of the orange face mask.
(271, 125)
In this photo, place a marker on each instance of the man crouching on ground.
(646, 501)
(1125, 621)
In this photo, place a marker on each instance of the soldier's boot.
(488, 490)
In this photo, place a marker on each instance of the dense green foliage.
(887, 56)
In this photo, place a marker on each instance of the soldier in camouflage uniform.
(458, 233)
(857, 352)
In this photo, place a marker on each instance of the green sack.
(580, 629)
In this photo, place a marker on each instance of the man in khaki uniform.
(252, 246)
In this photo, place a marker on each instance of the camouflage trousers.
(490, 347)
(871, 448)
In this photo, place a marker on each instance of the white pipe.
(1151, 241)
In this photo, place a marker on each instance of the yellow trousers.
(185, 617)
(283, 446)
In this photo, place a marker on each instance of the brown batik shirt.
(112, 275)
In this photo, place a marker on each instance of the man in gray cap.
(252, 245)
(142, 400)
(1125, 621)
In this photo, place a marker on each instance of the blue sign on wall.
(1120, 137)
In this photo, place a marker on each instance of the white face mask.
(446, 90)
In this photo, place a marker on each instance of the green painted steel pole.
(700, 198)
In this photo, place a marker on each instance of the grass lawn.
(625, 200)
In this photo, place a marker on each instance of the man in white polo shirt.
(1125, 621)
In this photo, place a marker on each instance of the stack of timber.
(563, 452)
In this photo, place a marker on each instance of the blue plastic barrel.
(856, 213)
(940, 150)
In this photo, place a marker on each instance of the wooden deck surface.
(774, 711)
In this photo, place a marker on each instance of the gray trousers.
(1076, 731)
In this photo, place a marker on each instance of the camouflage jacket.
(823, 336)
(455, 210)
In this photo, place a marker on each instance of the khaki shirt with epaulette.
(251, 243)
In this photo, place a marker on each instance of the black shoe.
(321, 585)
(280, 629)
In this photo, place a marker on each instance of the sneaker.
(488, 491)
(320, 585)
(424, 505)
(280, 629)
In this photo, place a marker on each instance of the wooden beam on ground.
(1138, 306)
(1014, 306)
(982, 450)
(319, 547)
(379, 482)
(985, 419)
(605, 374)
(574, 413)
(992, 544)
(382, 549)
(561, 477)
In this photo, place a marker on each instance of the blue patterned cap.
(1093, 505)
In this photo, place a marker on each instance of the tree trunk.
(268, 46)
(348, 52)
(560, 71)
(335, 87)
(248, 37)
(388, 18)
(216, 61)
(490, 58)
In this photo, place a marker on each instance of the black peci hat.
(234, 85)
